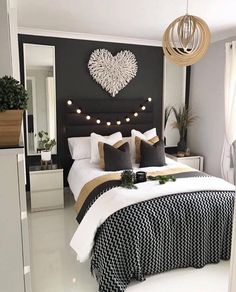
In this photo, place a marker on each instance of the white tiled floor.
(55, 269)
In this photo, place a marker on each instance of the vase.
(46, 155)
(182, 146)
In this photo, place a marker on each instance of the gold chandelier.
(186, 40)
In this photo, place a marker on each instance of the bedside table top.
(45, 167)
(175, 155)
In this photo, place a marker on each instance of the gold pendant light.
(186, 40)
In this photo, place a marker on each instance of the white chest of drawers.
(46, 188)
(194, 161)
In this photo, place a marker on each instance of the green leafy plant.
(162, 178)
(45, 142)
(128, 179)
(13, 95)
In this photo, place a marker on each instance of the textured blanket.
(156, 228)
(175, 231)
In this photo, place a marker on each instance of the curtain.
(228, 160)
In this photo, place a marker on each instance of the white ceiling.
(140, 19)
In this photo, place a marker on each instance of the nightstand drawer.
(47, 200)
(194, 163)
(41, 181)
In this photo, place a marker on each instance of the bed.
(131, 233)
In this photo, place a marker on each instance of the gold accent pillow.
(101, 151)
(138, 143)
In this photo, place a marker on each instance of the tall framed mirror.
(174, 95)
(39, 71)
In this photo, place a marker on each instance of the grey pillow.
(152, 155)
(117, 158)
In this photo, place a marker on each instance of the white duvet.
(118, 198)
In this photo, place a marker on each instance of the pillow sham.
(95, 138)
(145, 136)
(117, 158)
(152, 155)
(80, 147)
(138, 143)
(101, 151)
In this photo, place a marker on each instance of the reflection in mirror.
(174, 94)
(39, 61)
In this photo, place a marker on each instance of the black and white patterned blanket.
(169, 232)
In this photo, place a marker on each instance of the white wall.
(206, 136)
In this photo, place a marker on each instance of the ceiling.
(139, 19)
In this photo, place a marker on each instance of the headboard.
(109, 109)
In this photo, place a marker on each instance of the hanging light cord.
(187, 8)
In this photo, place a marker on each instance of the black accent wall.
(73, 80)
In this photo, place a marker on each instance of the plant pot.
(10, 127)
(182, 146)
(46, 155)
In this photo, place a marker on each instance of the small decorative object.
(180, 154)
(113, 73)
(184, 118)
(163, 178)
(187, 153)
(128, 179)
(13, 102)
(141, 176)
(186, 40)
(46, 145)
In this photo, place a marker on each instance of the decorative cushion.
(101, 151)
(80, 147)
(145, 136)
(152, 155)
(95, 138)
(117, 158)
(137, 146)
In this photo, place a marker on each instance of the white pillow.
(144, 136)
(95, 138)
(80, 147)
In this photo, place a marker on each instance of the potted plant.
(184, 118)
(46, 144)
(13, 102)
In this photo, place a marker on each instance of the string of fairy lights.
(118, 122)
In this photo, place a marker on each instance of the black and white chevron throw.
(169, 232)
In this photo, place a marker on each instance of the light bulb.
(108, 123)
(88, 117)
(78, 111)
(69, 102)
(136, 114)
(149, 99)
(143, 107)
(118, 123)
(98, 121)
(127, 119)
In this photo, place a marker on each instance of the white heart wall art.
(113, 73)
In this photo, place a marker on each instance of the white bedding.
(82, 171)
(115, 199)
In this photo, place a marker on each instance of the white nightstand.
(194, 161)
(47, 189)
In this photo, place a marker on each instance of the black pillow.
(117, 158)
(152, 155)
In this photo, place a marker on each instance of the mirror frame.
(25, 85)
